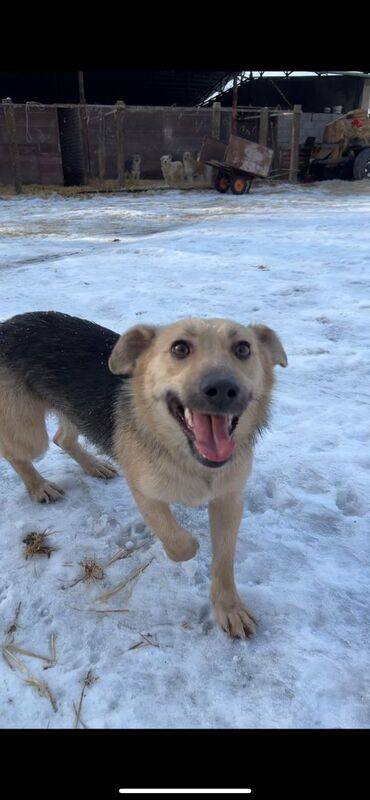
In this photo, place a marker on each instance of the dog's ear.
(272, 344)
(129, 347)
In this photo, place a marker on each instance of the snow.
(296, 258)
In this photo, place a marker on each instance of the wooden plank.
(264, 127)
(216, 121)
(81, 88)
(101, 146)
(85, 143)
(234, 113)
(13, 145)
(120, 117)
(294, 153)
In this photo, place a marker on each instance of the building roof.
(134, 87)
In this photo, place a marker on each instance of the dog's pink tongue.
(212, 438)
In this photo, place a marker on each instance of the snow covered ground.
(298, 259)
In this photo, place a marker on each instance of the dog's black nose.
(220, 391)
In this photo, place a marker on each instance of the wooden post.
(84, 129)
(264, 127)
(274, 122)
(101, 151)
(294, 151)
(234, 112)
(9, 114)
(81, 88)
(216, 120)
(85, 144)
(120, 118)
(212, 172)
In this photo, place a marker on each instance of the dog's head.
(136, 160)
(187, 157)
(165, 160)
(199, 383)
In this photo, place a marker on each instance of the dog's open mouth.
(210, 435)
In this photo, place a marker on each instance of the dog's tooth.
(189, 417)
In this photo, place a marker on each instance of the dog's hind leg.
(40, 489)
(23, 438)
(66, 438)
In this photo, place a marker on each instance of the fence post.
(234, 112)
(294, 147)
(101, 151)
(264, 126)
(120, 116)
(9, 114)
(216, 120)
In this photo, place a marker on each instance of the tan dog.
(180, 409)
(133, 168)
(193, 169)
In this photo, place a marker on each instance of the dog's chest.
(176, 486)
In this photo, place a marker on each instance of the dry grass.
(87, 681)
(9, 649)
(37, 544)
(133, 576)
(109, 610)
(8, 652)
(145, 641)
(14, 625)
(97, 187)
(91, 572)
(125, 552)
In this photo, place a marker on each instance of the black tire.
(361, 166)
(222, 182)
(238, 184)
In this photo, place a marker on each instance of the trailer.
(237, 163)
(345, 150)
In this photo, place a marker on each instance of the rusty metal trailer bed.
(237, 162)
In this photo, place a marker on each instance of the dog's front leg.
(225, 514)
(177, 542)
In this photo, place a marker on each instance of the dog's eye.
(180, 349)
(242, 350)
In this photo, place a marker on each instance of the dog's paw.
(101, 469)
(46, 492)
(183, 547)
(235, 619)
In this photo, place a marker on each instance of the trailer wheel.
(222, 182)
(238, 184)
(361, 166)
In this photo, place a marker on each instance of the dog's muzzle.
(210, 417)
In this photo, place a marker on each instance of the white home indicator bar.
(185, 791)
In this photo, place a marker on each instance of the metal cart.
(237, 162)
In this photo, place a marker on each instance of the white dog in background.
(172, 171)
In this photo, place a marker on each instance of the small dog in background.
(133, 168)
(172, 171)
(193, 169)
